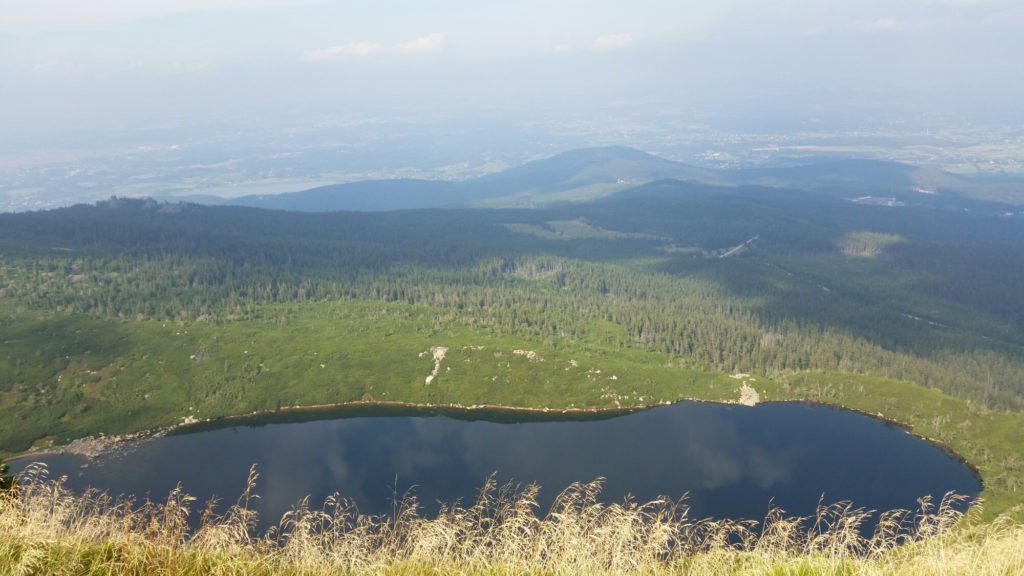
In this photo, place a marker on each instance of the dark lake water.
(731, 460)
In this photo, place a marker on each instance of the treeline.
(689, 318)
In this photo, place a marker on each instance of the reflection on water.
(731, 461)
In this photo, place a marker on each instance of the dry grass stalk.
(48, 529)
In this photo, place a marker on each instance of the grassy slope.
(995, 555)
(51, 531)
(322, 354)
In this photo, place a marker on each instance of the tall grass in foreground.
(47, 529)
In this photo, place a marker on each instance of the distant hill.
(842, 176)
(581, 175)
(856, 176)
(571, 176)
(367, 196)
(593, 173)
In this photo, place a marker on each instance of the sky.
(70, 65)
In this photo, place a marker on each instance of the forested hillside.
(814, 288)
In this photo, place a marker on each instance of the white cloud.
(887, 24)
(51, 66)
(426, 44)
(357, 49)
(423, 45)
(612, 42)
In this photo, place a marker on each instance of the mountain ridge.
(587, 174)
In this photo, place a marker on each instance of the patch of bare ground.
(437, 353)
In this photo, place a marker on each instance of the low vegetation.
(6, 478)
(49, 530)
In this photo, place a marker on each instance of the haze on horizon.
(88, 78)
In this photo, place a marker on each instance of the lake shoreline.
(92, 447)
